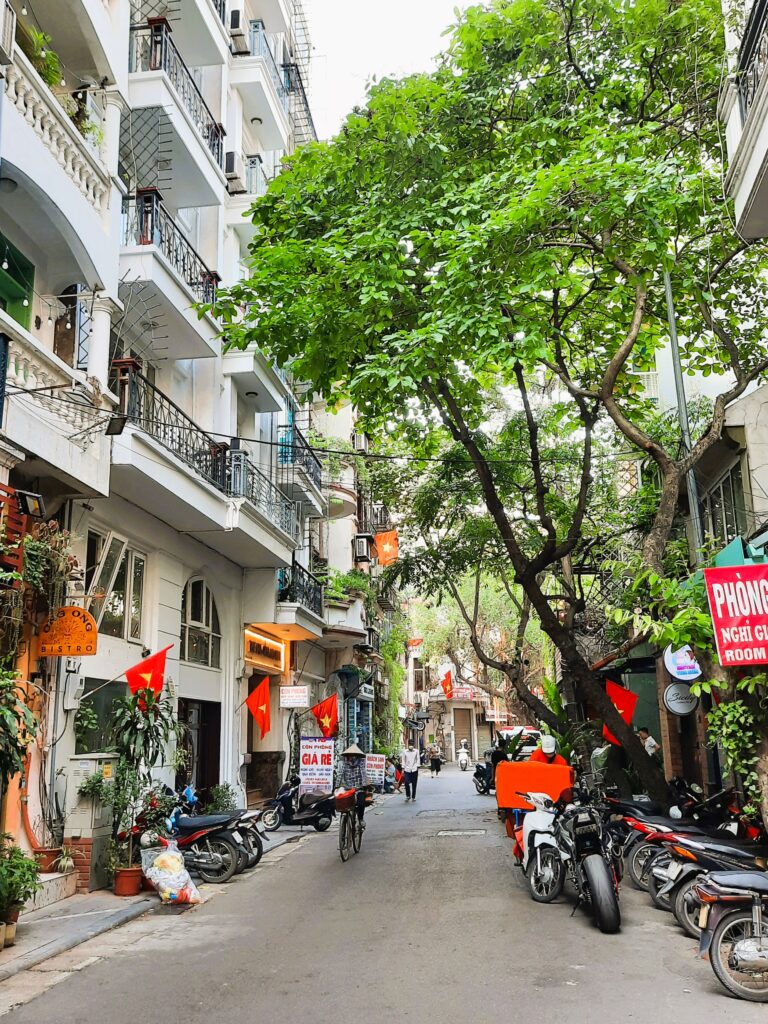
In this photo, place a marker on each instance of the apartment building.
(135, 135)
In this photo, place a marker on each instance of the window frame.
(130, 555)
(718, 505)
(203, 627)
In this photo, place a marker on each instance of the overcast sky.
(353, 40)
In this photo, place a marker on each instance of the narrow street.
(418, 926)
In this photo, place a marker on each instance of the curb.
(67, 942)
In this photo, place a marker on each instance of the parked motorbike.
(211, 843)
(288, 808)
(249, 826)
(560, 839)
(673, 879)
(483, 783)
(734, 931)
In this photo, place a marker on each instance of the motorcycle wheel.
(479, 787)
(228, 855)
(242, 859)
(742, 984)
(253, 845)
(272, 818)
(602, 893)
(546, 884)
(321, 825)
(660, 902)
(686, 907)
(637, 864)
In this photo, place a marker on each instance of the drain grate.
(462, 832)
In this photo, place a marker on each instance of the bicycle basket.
(345, 801)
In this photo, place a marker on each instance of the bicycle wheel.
(345, 836)
(357, 833)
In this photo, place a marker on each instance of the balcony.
(86, 36)
(196, 483)
(155, 252)
(301, 473)
(63, 187)
(165, 100)
(259, 384)
(744, 109)
(263, 87)
(290, 607)
(201, 34)
(239, 203)
(342, 493)
(41, 422)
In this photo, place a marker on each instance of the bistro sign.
(738, 604)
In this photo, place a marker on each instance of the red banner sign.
(738, 604)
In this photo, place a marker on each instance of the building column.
(99, 344)
(10, 457)
(112, 114)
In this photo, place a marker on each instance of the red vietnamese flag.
(624, 701)
(327, 715)
(258, 705)
(148, 674)
(447, 684)
(387, 547)
(417, 641)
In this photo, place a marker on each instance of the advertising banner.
(463, 693)
(294, 696)
(494, 715)
(738, 604)
(316, 765)
(374, 768)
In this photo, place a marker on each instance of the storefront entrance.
(202, 742)
(462, 727)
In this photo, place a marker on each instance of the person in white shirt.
(411, 762)
(650, 744)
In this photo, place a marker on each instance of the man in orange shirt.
(547, 752)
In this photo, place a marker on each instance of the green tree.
(486, 243)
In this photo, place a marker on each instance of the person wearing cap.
(353, 775)
(547, 753)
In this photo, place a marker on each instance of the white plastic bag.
(164, 867)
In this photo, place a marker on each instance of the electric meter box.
(88, 818)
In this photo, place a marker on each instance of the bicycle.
(350, 826)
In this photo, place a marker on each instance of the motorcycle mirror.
(696, 788)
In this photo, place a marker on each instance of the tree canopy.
(476, 261)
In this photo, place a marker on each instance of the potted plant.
(19, 881)
(142, 727)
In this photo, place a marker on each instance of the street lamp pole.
(682, 413)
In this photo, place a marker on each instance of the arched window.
(200, 630)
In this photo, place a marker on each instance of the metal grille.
(294, 450)
(7, 31)
(152, 49)
(146, 221)
(260, 48)
(299, 586)
(245, 480)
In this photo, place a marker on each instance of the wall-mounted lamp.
(31, 504)
(116, 425)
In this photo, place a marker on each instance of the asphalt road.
(418, 927)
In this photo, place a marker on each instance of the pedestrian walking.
(435, 759)
(410, 771)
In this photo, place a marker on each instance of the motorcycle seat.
(191, 823)
(310, 799)
(757, 881)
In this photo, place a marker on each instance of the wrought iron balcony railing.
(155, 413)
(229, 470)
(146, 221)
(374, 639)
(221, 10)
(246, 480)
(299, 586)
(260, 48)
(294, 450)
(153, 49)
(255, 178)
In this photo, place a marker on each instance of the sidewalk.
(54, 929)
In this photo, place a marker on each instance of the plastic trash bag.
(164, 867)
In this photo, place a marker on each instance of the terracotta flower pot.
(46, 856)
(127, 881)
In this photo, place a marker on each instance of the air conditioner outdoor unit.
(362, 547)
(360, 442)
(234, 169)
(237, 32)
(7, 33)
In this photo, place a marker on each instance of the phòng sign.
(738, 604)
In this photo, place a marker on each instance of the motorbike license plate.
(674, 869)
(703, 915)
(236, 836)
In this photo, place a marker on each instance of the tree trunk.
(761, 767)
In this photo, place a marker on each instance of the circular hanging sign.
(681, 663)
(679, 700)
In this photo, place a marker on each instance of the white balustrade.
(41, 110)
